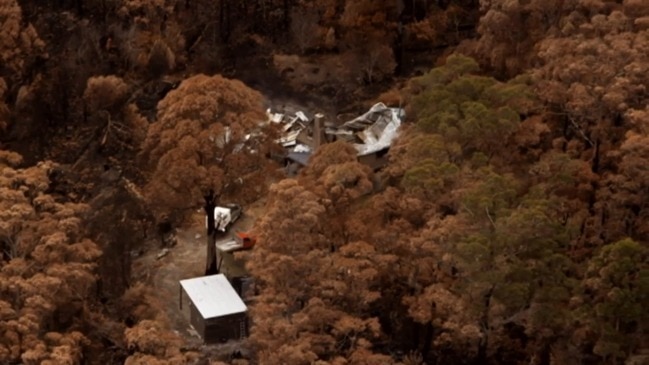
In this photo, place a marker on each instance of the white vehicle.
(225, 216)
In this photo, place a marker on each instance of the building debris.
(301, 133)
(225, 216)
(371, 134)
(240, 241)
(169, 239)
(162, 253)
(192, 332)
(376, 129)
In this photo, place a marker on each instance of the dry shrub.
(391, 97)
(636, 8)
(413, 358)
(3, 88)
(161, 59)
(642, 23)
(286, 62)
(140, 303)
(105, 92)
(328, 71)
(150, 337)
(19, 41)
(9, 158)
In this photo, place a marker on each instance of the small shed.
(216, 311)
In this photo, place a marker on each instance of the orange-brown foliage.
(199, 142)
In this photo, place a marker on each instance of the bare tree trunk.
(286, 15)
(428, 339)
(211, 267)
(224, 20)
(481, 357)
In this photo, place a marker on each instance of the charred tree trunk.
(224, 20)
(428, 340)
(398, 50)
(481, 357)
(596, 158)
(286, 18)
(211, 267)
(544, 355)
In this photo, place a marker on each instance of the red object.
(246, 239)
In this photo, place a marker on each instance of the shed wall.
(196, 320)
(221, 329)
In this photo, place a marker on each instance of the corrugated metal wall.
(226, 328)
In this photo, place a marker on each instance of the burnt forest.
(324, 182)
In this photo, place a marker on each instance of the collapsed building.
(371, 133)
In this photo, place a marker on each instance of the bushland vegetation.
(509, 226)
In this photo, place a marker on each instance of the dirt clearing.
(187, 260)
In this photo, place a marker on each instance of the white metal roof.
(228, 245)
(213, 296)
(389, 118)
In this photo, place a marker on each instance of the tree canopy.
(202, 139)
(509, 225)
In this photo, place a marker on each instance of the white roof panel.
(229, 245)
(213, 296)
